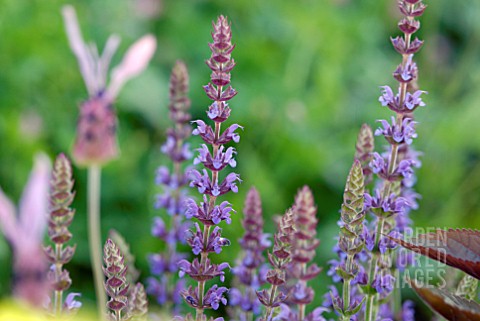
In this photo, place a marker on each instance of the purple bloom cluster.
(393, 197)
(164, 266)
(206, 238)
(250, 271)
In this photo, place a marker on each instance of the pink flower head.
(96, 141)
(25, 233)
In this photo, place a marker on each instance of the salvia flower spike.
(302, 269)
(350, 241)
(250, 271)
(59, 219)
(363, 151)
(116, 284)
(96, 141)
(137, 303)
(206, 237)
(25, 234)
(163, 284)
(132, 273)
(393, 197)
(279, 259)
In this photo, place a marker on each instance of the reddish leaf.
(450, 306)
(457, 248)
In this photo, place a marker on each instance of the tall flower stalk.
(250, 272)
(124, 304)
(389, 202)
(96, 140)
(304, 245)
(350, 241)
(206, 236)
(116, 285)
(164, 265)
(60, 218)
(302, 269)
(279, 258)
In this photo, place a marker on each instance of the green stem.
(269, 309)
(199, 311)
(95, 237)
(347, 287)
(397, 295)
(201, 284)
(301, 312)
(57, 303)
(369, 310)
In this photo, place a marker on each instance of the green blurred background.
(308, 75)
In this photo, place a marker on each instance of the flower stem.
(269, 309)
(95, 237)
(347, 287)
(199, 311)
(369, 310)
(57, 303)
(301, 312)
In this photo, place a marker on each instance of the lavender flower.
(96, 140)
(25, 234)
(163, 284)
(280, 258)
(249, 270)
(393, 197)
(204, 238)
(60, 218)
(96, 132)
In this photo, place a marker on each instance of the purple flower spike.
(172, 230)
(206, 238)
(251, 264)
(393, 198)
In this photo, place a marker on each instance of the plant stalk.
(369, 310)
(269, 309)
(347, 287)
(95, 237)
